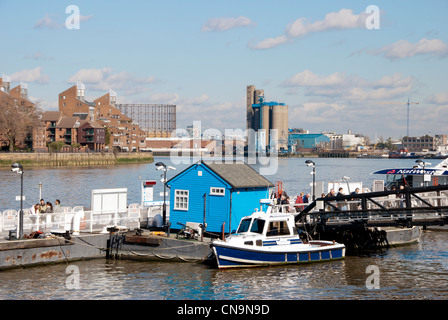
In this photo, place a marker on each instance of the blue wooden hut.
(216, 193)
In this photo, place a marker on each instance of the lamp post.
(17, 167)
(162, 166)
(310, 163)
(40, 190)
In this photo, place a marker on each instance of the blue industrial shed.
(307, 140)
(229, 192)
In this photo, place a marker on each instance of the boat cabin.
(417, 176)
(269, 225)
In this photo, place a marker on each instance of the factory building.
(269, 120)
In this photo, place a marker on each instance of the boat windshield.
(257, 225)
(244, 225)
(397, 180)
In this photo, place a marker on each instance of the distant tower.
(264, 116)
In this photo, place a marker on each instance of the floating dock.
(113, 245)
(54, 249)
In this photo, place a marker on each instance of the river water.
(418, 271)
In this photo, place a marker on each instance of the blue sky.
(317, 57)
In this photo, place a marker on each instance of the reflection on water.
(410, 272)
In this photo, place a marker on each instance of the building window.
(181, 200)
(217, 191)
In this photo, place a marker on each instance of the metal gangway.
(424, 206)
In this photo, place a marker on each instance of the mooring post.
(408, 208)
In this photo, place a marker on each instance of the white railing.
(75, 220)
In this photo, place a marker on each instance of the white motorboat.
(270, 238)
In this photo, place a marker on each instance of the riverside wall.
(74, 159)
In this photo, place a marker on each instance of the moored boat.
(419, 175)
(270, 238)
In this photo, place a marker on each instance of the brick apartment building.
(71, 131)
(18, 97)
(123, 134)
(97, 124)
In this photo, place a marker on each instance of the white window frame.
(181, 194)
(214, 191)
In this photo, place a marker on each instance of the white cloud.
(47, 22)
(341, 101)
(51, 22)
(201, 108)
(269, 43)
(310, 79)
(343, 19)
(350, 87)
(439, 98)
(405, 49)
(223, 24)
(31, 75)
(104, 79)
(394, 80)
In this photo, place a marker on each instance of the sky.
(338, 65)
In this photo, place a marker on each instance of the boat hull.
(237, 257)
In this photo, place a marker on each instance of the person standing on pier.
(354, 205)
(330, 194)
(34, 209)
(49, 208)
(42, 206)
(341, 203)
(57, 206)
(299, 200)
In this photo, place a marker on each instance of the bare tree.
(15, 123)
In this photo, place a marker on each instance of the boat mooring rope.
(162, 257)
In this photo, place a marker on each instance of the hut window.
(217, 191)
(181, 200)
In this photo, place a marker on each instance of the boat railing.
(74, 220)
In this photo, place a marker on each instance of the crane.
(408, 103)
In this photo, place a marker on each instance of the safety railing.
(75, 220)
(422, 206)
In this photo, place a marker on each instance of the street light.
(40, 190)
(162, 166)
(310, 163)
(17, 167)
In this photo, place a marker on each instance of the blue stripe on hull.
(244, 258)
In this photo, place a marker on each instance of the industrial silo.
(256, 118)
(277, 122)
(283, 135)
(265, 121)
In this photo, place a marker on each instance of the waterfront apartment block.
(121, 132)
(71, 131)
